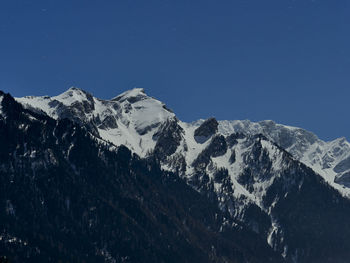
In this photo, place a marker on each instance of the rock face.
(217, 147)
(168, 137)
(343, 179)
(207, 129)
(257, 175)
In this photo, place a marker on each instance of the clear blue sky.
(285, 60)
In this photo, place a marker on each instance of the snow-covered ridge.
(130, 119)
(133, 118)
(330, 159)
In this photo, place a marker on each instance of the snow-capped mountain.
(133, 118)
(129, 119)
(329, 159)
(67, 197)
(264, 174)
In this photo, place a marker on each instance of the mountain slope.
(283, 182)
(329, 159)
(129, 119)
(65, 196)
(132, 118)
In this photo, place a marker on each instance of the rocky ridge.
(254, 171)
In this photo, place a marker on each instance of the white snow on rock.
(1, 98)
(135, 115)
(323, 157)
(132, 118)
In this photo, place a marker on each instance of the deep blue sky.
(285, 60)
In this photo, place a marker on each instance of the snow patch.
(1, 98)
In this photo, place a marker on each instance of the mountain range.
(124, 180)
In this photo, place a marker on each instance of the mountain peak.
(75, 90)
(72, 88)
(132, 95)
(72, 95)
